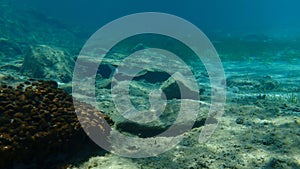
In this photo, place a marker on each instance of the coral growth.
(38, 120)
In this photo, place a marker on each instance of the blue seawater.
(258, 125)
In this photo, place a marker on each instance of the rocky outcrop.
(174, 115)
(180, 88)
(48, 62)
(250, 83)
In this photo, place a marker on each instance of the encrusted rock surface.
(43, 61)
(173, 113)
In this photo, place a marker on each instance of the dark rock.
(106, 70)
(240, 120)
(180, 88)
(273, 163)
(153, 77)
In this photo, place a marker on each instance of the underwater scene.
(126, 84)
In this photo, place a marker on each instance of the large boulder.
(179, 86)
(180, 118)
(48, 62)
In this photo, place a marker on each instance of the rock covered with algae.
(43, 61)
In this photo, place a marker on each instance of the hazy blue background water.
(254, 58)
(233, 16)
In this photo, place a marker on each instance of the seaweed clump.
(38, 122)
